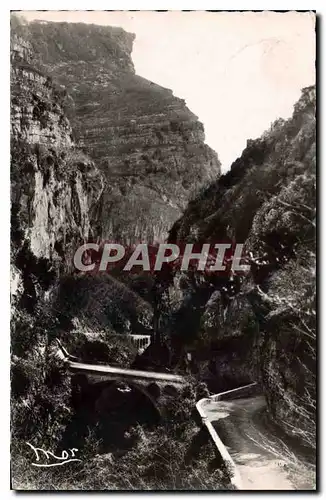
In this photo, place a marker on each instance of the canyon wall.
(147, 143)
(259, 326)
(54, 186)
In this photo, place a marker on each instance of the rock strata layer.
(148, 144)
(54, 186)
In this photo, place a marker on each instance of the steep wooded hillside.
(261, 325)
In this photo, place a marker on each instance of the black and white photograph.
(163, 233)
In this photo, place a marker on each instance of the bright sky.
(237, 71)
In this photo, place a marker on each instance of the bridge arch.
(170, 390)
(153, 390)
(150, 394)
(107, 390)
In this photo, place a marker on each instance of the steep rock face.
(36, 113)
(146, 141)
(54, 187)
(55, 196)
(260, 326)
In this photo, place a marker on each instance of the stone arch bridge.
(152, 384)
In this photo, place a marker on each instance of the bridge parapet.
(141, 342)
(153, 384)
(106, 372)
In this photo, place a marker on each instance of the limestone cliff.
(54, 187)
(147, 143)
(55, 196)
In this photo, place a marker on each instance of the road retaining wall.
(239, 392)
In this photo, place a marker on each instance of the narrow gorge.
(99, 153)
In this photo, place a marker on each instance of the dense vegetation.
(117, 453)
(174, 455)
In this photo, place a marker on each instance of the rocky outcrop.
(36, 105)
(56, 195)
(147, 143)
(260, 326)
(54, 187)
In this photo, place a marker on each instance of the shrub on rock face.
(40, 387)
(102, 348)
(102, 302)
(40, 406)
(288, 346)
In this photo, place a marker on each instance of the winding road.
(261, 457)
